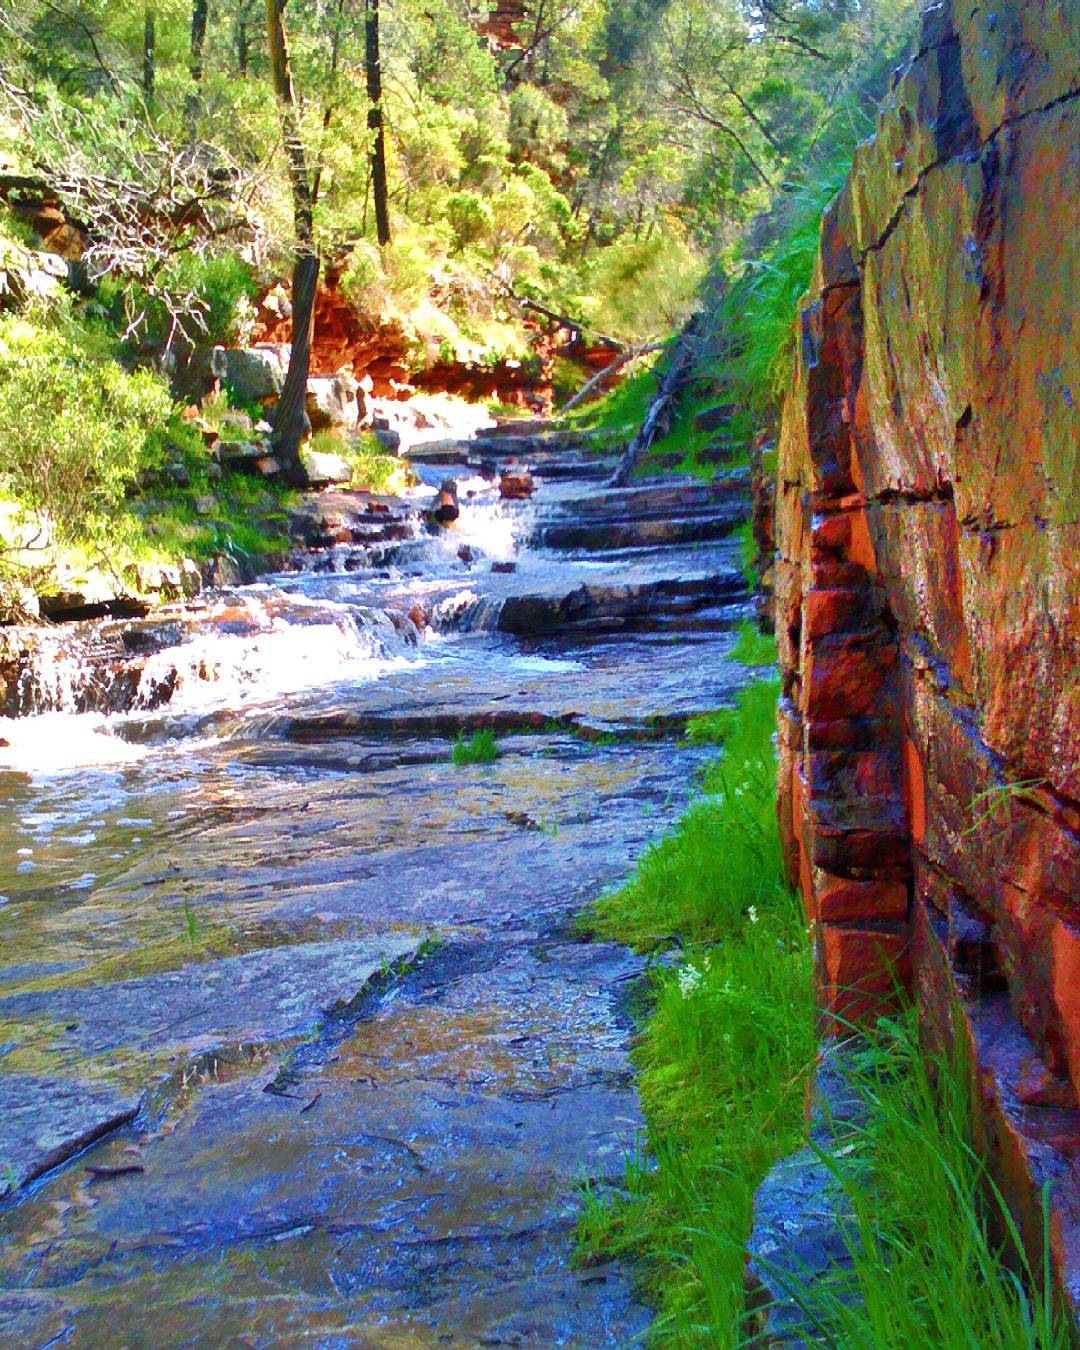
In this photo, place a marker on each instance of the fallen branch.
(662, 409)
(553, 316)
(623, 359)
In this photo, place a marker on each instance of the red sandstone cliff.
(927, 598)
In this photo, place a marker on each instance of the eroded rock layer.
(927, 597)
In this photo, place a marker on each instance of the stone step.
(598, 608)
(613, 533)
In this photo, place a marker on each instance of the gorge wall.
(928, 583)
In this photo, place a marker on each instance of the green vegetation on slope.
(723, 1059)
(728, 1043)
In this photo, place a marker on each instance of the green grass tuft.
(928, 1228)
(722, 1064)
(753, 647)
(480, 748)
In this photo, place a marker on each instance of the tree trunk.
(661, 412)
(198, 37)
(148, 54)
(373, 71)
(291, 423)
(243, 45)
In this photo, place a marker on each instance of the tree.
(199, 10)
(148, 54)
(291, 423)
(373, 73)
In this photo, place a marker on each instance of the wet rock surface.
(306, 996)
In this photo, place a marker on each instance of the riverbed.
(299, 1041)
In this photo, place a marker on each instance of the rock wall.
(928, 582)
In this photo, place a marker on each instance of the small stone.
(446, 506)
(516, 484)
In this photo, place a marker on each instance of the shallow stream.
(298, 1043)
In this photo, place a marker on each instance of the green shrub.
(373, 468)
(197, 298)
(479, 748)
(78, 431)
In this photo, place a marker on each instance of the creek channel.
(298, 1042)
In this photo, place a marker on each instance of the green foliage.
(645, 288)
(79, 430)
(725, 854)
(723, 1060)
(748, 552)
(753, 647)
(927, 1221)
(758, 312)
(729, 1041)
(220, 291)
(373, 468)
(479, 748)
(622, 409)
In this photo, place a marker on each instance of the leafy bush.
(373, 468)
(78, 431)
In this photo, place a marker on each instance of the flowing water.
(298, 1043)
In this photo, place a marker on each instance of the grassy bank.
(934, 1245)
(723, 1057)
(729, 1039)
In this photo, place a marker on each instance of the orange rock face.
(344, 339)
(927, 582)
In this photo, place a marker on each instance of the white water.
(213, 670)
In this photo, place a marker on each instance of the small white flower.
(752, 914)
(689, 979)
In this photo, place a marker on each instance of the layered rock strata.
(927, 597)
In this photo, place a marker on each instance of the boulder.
(332, 401)
(324, 468)
(254, 374)
(516, 483)
(446, 506)
(240, 456)
(389, 439)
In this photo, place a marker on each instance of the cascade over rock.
(927, 587)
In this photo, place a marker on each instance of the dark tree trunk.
(291, 423)
(373, 71)
(199, 10)
(148, 54)
(243, 44)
